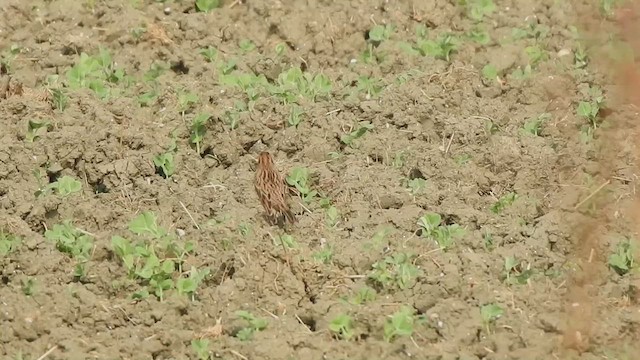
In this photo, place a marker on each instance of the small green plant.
(7, 56)
(286, 240)
(396, 271)
(478, 9)
(490, 313)
(441, 48)
(66, 185)
(532, 31)
(35, 129)
(534, 126)
(165, 162)
(371, 87)
(490, 72)
(8, 243)
(401, 323)
(443, 235)
(350, 138)
(73, 242)
(186, 101)
(97, 73)
(503, 202)
(342, 327)
(207, 5)
(295, 116)
(210, 53)
(246, 45)
(590, 109)
(416, 186)
(201, 348)
(622, 260)
(299, 178)
(514, 272)
(479, 35)
(198, 129)
(377, 35)
(536, 55)
(363, 296)
(254, 324)
(189, 285)
(324, 255)
(580, 57)
(28, 286)
(155, 258)
(331, 212)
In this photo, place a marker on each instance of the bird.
(272, 190)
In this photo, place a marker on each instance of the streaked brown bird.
(272, 191)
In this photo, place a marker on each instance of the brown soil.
(463, 133)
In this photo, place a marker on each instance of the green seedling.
(28, 286)
(350, 138)
(607, 7)
(66, 185)
(399, 160)
(488, 241)
(590, 109)
(35, 129)
(186, 101)
(73, 242)
(280, 49)
(325, 255)
(377, 35)
(623, 261)
(379, 239)
(580, 57)
(363, 296)
(254, 324)
(295, 116)
(490, 72)
(154, 72)
(156, 258)
(490, 313)
(521, 73)
(246, 45)
(137, 33)
(534, 126)
(416, 186)
(207, 5)
(201, 348)
(97, 73)
(331, 212)
(478, 9)
(441, 48)
(401, 323)
(371, 87)
(7, 56)
(299, 178)
(189, 285)
(198, 129)
(397, 271)
(515, 273)
(532, 31)
(287, 241)
(165, 162)
(504, 201)
(443, 235)
(293, 85)
(479, 35)
(210, 53)
(536, 55)
(232, 116)
(8, 243)
(462, 159)
(342, 327)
